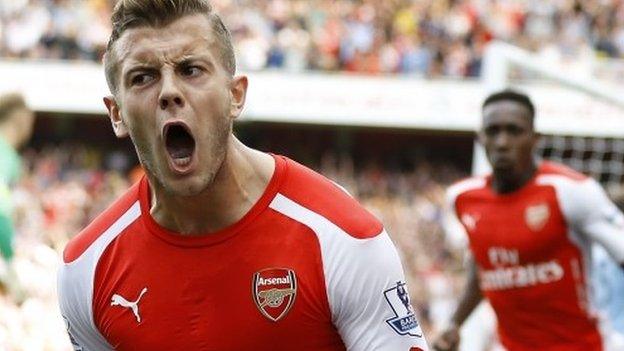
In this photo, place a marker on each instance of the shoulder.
(465, 186)
(577, 194)
(309, 196)
(557, 170)
(98, 227)
(565, 180)
(75, 278)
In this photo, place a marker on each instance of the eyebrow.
(144, 61)
(188, 58)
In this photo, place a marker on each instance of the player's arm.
(370, 300)
(599, 219)
(6, 224)
(470, 299)
(7, 233)
(6, 236)
(471, 296)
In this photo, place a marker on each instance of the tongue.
(180, 143)
(180, 151)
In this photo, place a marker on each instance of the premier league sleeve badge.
(404, 321)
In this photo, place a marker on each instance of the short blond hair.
(157, 13)
(10, 103)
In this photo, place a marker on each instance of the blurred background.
(381, 96)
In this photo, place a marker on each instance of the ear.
(536, 139)
(119, 127)
(238, 92)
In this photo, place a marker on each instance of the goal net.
(601, 158)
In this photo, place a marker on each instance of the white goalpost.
(501, 58)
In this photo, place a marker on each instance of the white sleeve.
(591, 213)
(455, 234)
(456, 228)
(365, 285)
(75, 297)
(369, 298)
(75, 294)
(75, 287)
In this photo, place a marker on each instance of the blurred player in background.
(220, 246)
(531, 226)
(16, 122)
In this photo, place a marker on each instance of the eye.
(491, 131)
(191, 71)
(141, 79)
(515, 130)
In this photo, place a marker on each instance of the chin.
(503, 171)
(188, 186)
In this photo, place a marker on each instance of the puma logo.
(470, 220)
(118, 300)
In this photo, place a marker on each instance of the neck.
(10, 135)
(237, 186)
(505, 183)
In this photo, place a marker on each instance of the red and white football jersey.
(532, 250)
(307, 268)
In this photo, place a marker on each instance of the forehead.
(184, 36)
(506, 112)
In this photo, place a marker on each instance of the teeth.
(182, 161)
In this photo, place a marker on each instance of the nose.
(501, 141)
(170, 94)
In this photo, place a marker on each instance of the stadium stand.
(428, 38)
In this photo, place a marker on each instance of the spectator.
(424, 37)
(16, 122)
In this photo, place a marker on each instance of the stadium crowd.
(421, 37)
(64, 187)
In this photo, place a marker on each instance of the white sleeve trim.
(362, 278)
(463, 186)
(75, 288)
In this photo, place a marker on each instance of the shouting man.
(219, 247)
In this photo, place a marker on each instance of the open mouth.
(180, 145)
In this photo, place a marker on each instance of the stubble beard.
(210, 168)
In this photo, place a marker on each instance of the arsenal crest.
(274, 292)
(536, 216)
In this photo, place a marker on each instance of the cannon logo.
(536, 216)
(274, 292)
